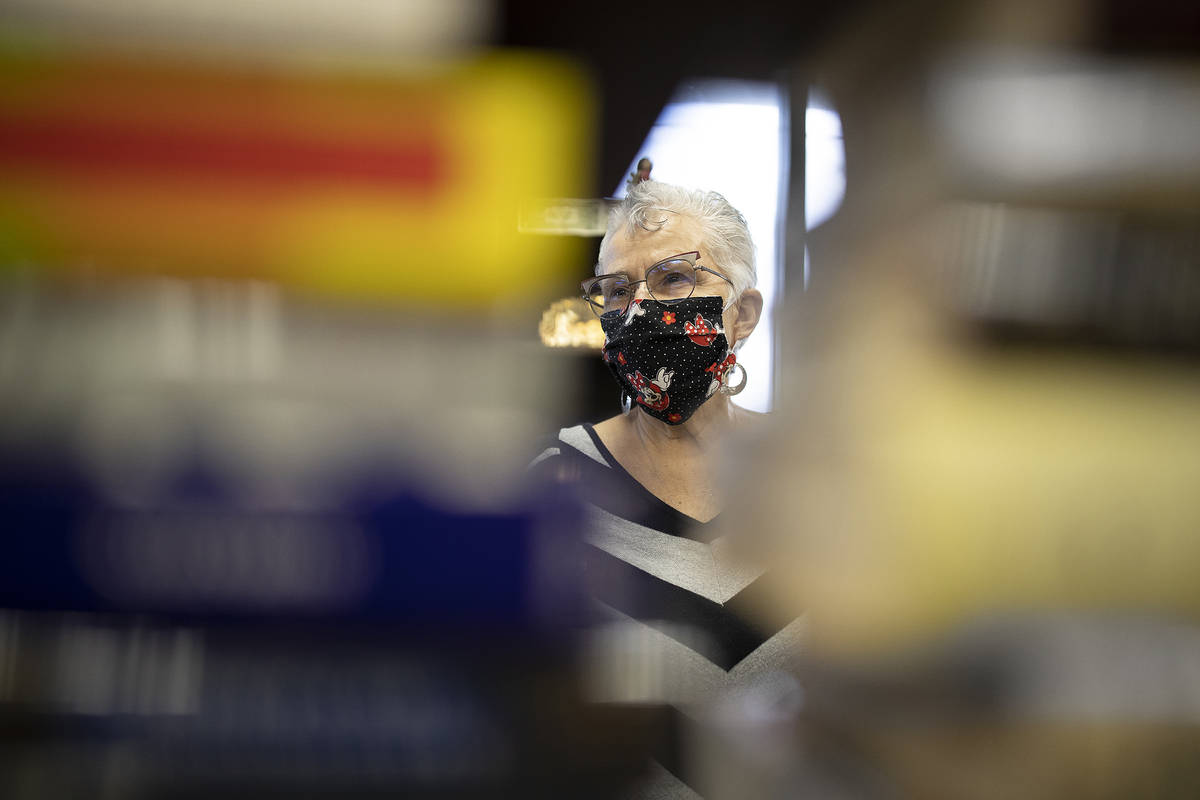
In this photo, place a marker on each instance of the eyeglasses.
(668, 281)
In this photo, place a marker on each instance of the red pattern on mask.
(701, 331)
(719, 368)
(650, 394)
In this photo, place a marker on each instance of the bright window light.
(825, 160)
(824, 164)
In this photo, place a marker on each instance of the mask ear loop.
(728, 388)
(737, 346)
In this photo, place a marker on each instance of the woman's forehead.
(637, 252)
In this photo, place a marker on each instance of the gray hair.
(727, 237)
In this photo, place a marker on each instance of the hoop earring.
(626, 403)
(726, 388)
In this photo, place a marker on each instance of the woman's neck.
(711, 423)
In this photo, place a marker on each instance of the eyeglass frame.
(691, 257)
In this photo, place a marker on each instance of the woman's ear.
(749, 310)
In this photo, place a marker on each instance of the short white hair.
(727, 244)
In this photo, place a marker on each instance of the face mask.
(668, 358)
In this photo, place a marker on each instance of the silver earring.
(726, 388)
(626, 403)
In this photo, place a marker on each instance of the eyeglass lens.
(670, 280)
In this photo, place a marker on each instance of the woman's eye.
(618, 291)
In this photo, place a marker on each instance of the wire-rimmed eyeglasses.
(669, 281)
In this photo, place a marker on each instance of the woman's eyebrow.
(628, 274)
(610, 274)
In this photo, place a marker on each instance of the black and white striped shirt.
(680, 621)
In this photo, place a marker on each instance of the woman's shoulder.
(571, 443)
(572, 455)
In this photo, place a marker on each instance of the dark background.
(638, 53)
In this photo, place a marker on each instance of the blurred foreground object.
(275, 29)
(380, 646)
(365, 177)
(987, 500)
(265, 371)
(196, 226)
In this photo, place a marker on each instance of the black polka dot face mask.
(669, 358)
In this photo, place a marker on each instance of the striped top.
(676, 624)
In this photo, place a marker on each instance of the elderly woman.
(674, 293)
